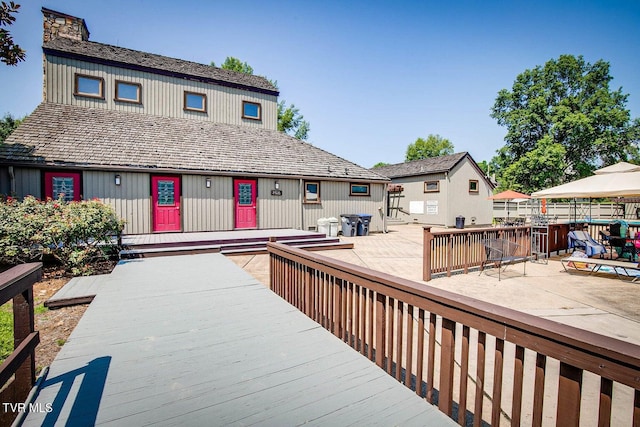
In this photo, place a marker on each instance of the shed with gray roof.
(437, 190)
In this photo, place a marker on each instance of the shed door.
(245, 191)
(166, 203)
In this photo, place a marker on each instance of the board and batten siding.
(283, 211)
(207, 209)
(433, 205)
(161, 95)
(130, 199)
(476, 207)
(28, 183)
(335, 200)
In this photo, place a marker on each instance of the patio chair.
(618, 238)
(583, 240)
(502, 253)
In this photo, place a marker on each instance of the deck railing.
(18, 371)
(477, 361)
(461, 249)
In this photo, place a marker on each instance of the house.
(173, 145)
(438, 190)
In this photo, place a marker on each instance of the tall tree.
(7, 125)
(380, 165)
(566, 107)
(10, 53)
(433, 146)
(290, 121)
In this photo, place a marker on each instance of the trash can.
(363, 224)
(349, 224)
(459, 221)
(334, 225)
(323, 226)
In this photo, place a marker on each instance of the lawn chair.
(502, 253)
(583, 240)
(618, 238)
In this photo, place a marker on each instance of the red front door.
(165, 192)
(62, 184)
(246, 192)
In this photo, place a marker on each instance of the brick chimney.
(58, 24)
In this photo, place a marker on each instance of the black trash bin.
(459, 221)
(349, 224)
(363, 224)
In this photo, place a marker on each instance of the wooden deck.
(195, 340)
(226, 242)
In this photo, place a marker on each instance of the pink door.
(62, 184)
(165, 193)
(245, 191)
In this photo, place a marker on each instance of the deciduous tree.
(565, 113)
(8, 125)
(10, 53)
(433, 146)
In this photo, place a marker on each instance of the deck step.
(235, 247)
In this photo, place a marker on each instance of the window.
(195, 101)
(473, 186)
(251, 110)
(89, 86)
(128, 92)
(311, 192)
(360, 190)
(431, 186)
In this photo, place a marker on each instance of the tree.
(7, 125)
(433, 146)
(10, 53)
(565, 106)
(380, 165)
(234, 64)
(290, 121)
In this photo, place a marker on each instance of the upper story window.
(89, 86)
(431, 186)
(251, 110)
(474, 186)
(128, 92)
(195, 101)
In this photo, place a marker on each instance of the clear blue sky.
(370, 76)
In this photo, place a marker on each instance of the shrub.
(74, 233)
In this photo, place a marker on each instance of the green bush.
(74, 233)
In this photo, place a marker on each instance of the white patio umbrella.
(621, 179)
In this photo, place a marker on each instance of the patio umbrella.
(510, 196)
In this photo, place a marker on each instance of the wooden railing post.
(381, 321)
(447, 349)
(569, 395)
(23, 325)
(426, 253)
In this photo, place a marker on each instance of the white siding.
(207, 209)
(161, 95)
(131, 199)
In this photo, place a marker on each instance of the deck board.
(195, 340)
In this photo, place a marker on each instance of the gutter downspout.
(12, 181)
(301, 200)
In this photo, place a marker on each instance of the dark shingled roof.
(78, 137)
(143, 61)
(422, 167)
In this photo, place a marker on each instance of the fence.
(469, 357)
(450, 250)
(18, 371)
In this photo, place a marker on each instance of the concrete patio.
(600, 303)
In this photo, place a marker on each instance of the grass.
(6, 331)
(6, 328)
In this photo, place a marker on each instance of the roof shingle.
(422, 167)
(128, 58)
(72, 136)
